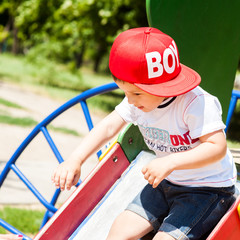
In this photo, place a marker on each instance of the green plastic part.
(207, 33)
(132, 142)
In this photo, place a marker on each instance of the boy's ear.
(207, 34)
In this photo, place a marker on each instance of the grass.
(233, 134)
(22, 122)
(56, 80)
(29, 122)
(25, 220)
(233, 144)
(63, 130)
(9, 104)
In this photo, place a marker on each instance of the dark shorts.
(183, 212)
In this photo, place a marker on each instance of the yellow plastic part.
(107, 150)
(238, 208)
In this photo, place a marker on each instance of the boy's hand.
(155, 171)
(66, 174)
(10, 237)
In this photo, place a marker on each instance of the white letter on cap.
(154, 65)
(174, 49)
(166, 54)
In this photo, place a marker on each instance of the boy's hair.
(117, 79)
(149, 59)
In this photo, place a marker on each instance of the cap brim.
(185, 81)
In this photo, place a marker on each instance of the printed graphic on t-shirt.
(161, 140)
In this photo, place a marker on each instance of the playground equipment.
(195, 34)
(232, 106)
(42, 128)
(107, 181)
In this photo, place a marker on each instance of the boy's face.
(140, 99)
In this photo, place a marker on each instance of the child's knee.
(129, 226)
(163, 236)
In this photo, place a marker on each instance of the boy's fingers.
(63, 179)
(146, 175)
(156, 182)
(150, 180)
(76, 178)
(56, 176)
(56, 179)
(69, 181)
(144, 170)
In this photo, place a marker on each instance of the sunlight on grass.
(27, 221)
(233, 144)
(45, 72)
(29, 122)
(23, 121)
(55, 80)
(64, 130)
(9, 104)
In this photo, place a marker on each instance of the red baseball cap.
(149, 59)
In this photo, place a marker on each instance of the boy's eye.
(137, 94)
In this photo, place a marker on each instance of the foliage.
(234, 130)
(69, 31)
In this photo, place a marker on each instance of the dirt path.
(37, 161)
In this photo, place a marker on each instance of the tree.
(8, 9)
(66, 30)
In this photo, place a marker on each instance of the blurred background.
(50, 51)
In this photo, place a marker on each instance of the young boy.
(191, 180)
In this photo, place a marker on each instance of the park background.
(57, 49)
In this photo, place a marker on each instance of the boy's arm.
(213, 148)
(68, 172)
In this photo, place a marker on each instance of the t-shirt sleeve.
(125, 110)
(203, 116)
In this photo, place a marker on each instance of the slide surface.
(98, 223)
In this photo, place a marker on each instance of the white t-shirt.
(176, 126)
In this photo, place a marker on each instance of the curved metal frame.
(232, 106)
(42, 127)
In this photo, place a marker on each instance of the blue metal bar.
(232, 105)
(83, 96)
(10, 165)
(12, 229)
(48, 213)
(87, 114)
(32, 188)
(88, 120)
(17, 153)
(52, 144)
(230, 111)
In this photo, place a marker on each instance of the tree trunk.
(15, 46)
(79, 57)
(98, 58)
(3, 43)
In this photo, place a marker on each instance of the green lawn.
(56, 80)
(25, 220)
